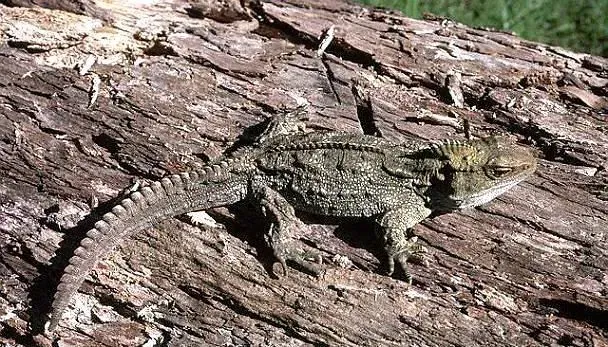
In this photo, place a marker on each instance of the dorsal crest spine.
(328, 145)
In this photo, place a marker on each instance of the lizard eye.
(500, 171)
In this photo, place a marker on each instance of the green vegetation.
(580, 25)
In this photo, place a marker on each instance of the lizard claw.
(410, 250)
(279, 268)
(307, 260)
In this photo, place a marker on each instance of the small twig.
(454, 89)
(329, 74)
(466, 125)
(328, 36)
(94, 91)
(432, 118)
(87, 64)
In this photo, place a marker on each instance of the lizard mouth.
(485, 195)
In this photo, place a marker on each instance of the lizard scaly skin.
(324, 173)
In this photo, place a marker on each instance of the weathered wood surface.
(179, 82)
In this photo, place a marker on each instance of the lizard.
(327, 173)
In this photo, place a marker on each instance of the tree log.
(98, 96)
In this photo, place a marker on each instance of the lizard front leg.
(394, 228)
(283, 224)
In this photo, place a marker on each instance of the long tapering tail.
(210, 187)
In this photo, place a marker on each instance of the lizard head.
(476, 171)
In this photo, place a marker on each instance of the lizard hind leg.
(280, 235)
(285, 123)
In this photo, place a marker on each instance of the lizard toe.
(410, 250)
(302, 258)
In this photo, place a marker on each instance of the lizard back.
(335, 174)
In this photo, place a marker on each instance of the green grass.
(580, 25)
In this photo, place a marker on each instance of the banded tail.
(210, 187)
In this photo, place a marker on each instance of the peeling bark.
(177, 84)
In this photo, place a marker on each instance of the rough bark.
(178, 82)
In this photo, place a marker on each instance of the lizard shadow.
(249, 226)
(357, 233)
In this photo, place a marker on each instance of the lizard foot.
(279, 237)
(303, 259)
(285, 123)
(400, 254)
